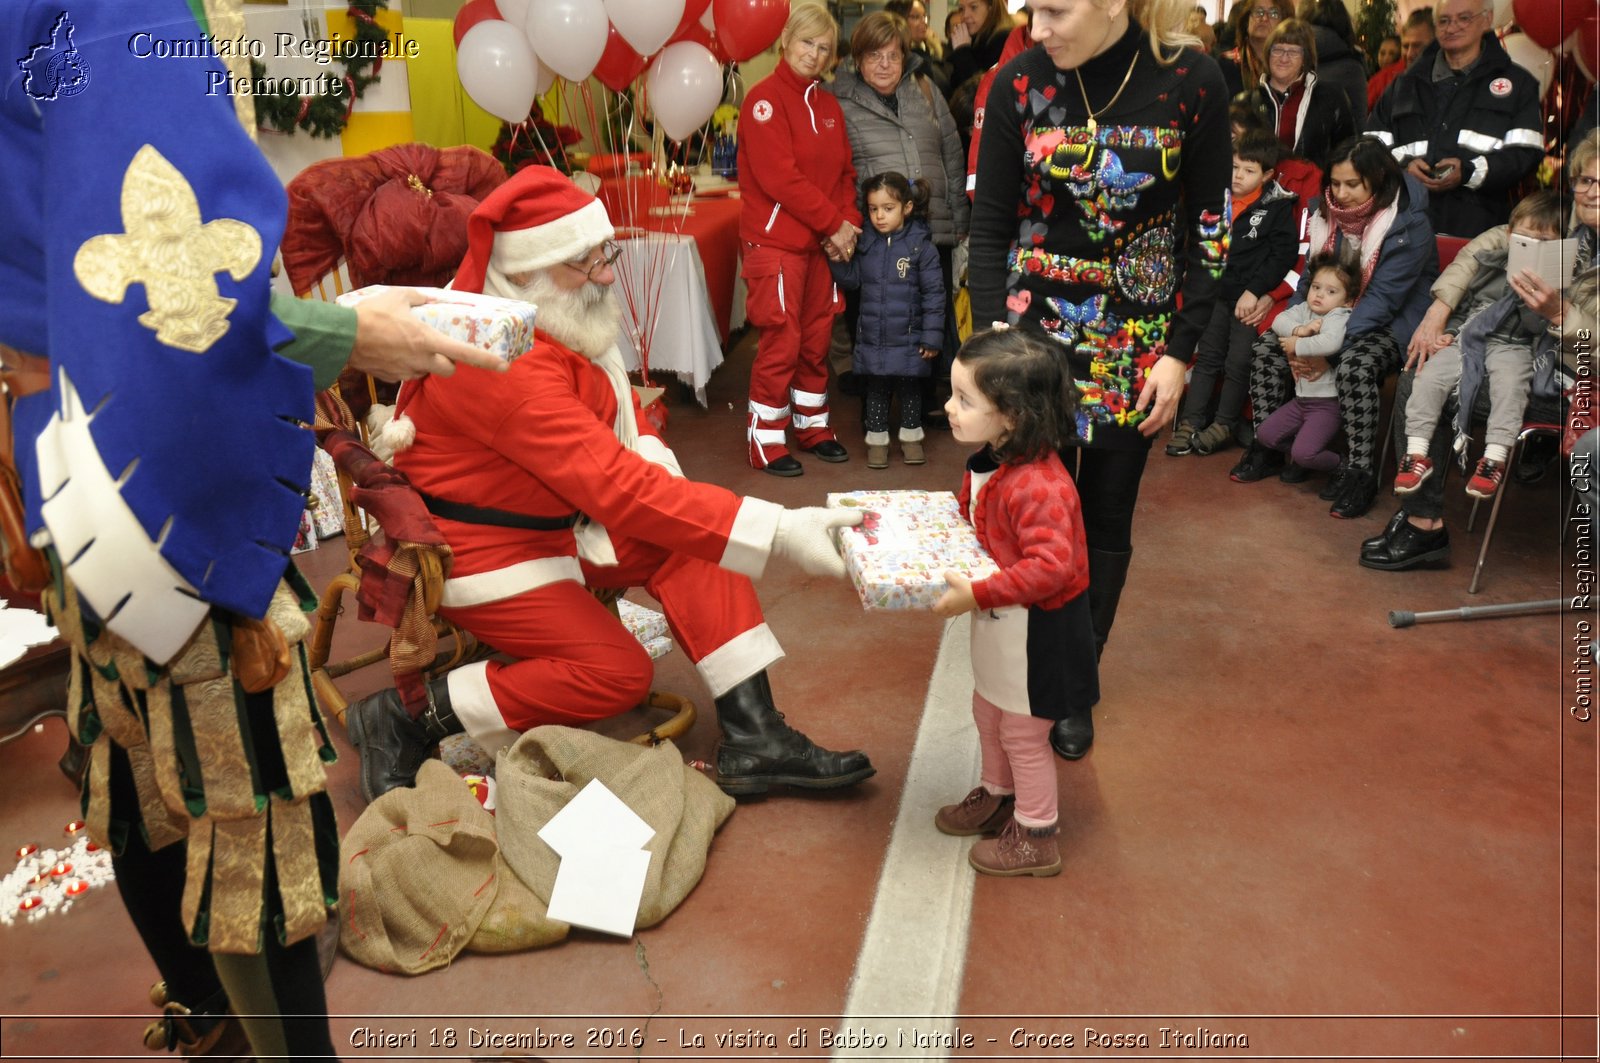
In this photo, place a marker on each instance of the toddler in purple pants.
(1309, 332)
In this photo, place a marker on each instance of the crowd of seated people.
(1441, 135)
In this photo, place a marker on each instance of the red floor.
(1299, 828)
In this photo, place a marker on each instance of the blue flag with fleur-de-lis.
(141, 223)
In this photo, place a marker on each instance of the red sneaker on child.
(1486, 478)
(1414, 468)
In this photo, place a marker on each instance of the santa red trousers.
(792, 301)
(576, 663)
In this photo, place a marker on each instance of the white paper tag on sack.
(603, 861)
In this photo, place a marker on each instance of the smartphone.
(1439, 173)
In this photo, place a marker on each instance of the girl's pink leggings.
(1017, 759)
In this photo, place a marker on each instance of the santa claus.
(546, 481)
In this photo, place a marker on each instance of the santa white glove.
(805, 536)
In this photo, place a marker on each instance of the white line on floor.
(915, 949)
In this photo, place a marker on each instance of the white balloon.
(1503, 15)
(569, 36)
(645, 24)
(705, 20)
(1533, 57)
(498, 69)
(543, 76)
(684, 84)
(516, 11)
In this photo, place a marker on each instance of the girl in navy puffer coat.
(901, 330)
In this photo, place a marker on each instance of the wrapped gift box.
(898, 556)
(327, 514)
(500, 326)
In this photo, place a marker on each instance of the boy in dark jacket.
(1262, 250)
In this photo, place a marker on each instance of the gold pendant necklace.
(1093, 114)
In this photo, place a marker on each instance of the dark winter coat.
(1397, 294)
(1263, 243)
(1489, 119)
(917, 139)
(1340, 65)
(902, 299)
(1322, 121)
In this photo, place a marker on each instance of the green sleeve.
(324, 335)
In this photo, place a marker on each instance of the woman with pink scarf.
(1372, 212)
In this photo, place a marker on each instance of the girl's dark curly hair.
(916, 192)
(1028, 381)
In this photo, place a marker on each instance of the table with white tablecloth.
(661, 284)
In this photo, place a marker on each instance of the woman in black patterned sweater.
(1100, 200)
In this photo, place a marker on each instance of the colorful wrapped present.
(897, 557)
(327, 514)
(500, 326)
(643, 623)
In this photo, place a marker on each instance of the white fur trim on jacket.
(562, 240)
(653, 450)
(750, 540)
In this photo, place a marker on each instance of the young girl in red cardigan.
(1033, 645)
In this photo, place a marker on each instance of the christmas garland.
(326, 114)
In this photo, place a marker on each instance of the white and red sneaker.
(1486, 478)
(1414, 468)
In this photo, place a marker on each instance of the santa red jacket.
(797, 184)
(1029, 519)
(538, 440)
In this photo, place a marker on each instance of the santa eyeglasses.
(609, 253)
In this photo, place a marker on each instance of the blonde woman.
(1105, 149)
(798, 192)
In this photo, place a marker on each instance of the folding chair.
(1529, 430)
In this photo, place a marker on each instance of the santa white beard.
(587, 319)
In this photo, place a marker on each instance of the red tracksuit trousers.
(792, 300)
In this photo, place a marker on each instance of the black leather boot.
(1359, 492)
(1108, 571)
(392, 745)
(208, 1030)
(759, 749)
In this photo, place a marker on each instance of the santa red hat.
(536, 219)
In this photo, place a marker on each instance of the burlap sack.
(547, 767)
(425, 876)
(420, 869)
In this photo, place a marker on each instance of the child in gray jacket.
(1311, 332)
(1490, 336)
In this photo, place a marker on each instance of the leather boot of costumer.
(392, 745)
(759, 750)
(209, 1033)
(1108, 572)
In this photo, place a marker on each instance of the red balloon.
(692, 10)
(696, 33)
(474, 12)
(1540, 21)
(746, 27)
(1576, 15)
(619, 64)
(1588, 50)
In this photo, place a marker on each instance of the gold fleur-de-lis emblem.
(168, 250)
